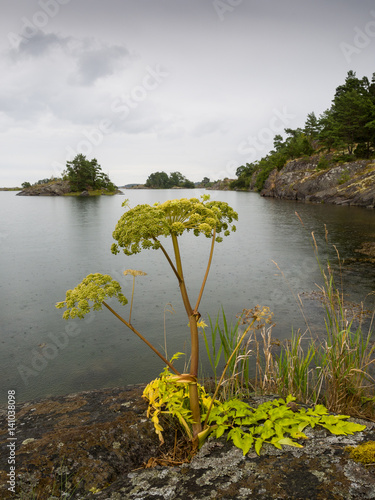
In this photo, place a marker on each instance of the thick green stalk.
(193, 318)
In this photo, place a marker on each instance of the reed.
(334, 370)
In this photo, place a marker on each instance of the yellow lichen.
(364, 453)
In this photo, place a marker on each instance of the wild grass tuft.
(237, 346)
(335, 369)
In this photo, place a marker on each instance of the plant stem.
(180, 273)
(193, 319)
(169, 261)
(195, 409)
(131, 327)
(131, 303)
(207, 271)
(224, 371)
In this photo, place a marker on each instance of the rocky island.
(63, 188)
(82, 177)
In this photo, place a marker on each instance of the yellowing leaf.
(289, 442)
(258, 445)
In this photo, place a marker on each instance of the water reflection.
(52, 243)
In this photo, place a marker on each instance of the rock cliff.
(351, 183)
(57, 188)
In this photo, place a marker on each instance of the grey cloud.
(39, 44)
(93, 59)
(98, 62)
(207, 127)
(141, 120)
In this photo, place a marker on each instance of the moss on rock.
(364, 452)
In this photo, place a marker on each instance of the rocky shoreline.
(351, 183)
(59, 188)
(96, 444)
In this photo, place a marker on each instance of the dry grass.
(335, 370)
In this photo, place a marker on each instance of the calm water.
(49, 244)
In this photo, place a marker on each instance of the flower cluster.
(95, 288)
(262, 316)
(141, 226)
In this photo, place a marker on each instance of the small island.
(82, 177)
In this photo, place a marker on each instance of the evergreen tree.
(85, 174)
(328, 135)
(312, 126)
(352, 109)
(159, 180)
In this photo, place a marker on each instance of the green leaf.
(258, 445)
(318, 410)
(220, 430)
(247, 443)
(275, 442)
(289, 442)
(176, 356)
(286, 422)
(235, 436)
(267, 434)
(302, 426)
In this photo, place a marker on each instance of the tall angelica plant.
(142, 228)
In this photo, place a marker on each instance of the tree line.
(346, 129)
(161, 180)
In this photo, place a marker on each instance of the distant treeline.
(161, 180)
(346, 129)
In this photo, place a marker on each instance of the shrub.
(323, 164)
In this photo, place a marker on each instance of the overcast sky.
(196, 86)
